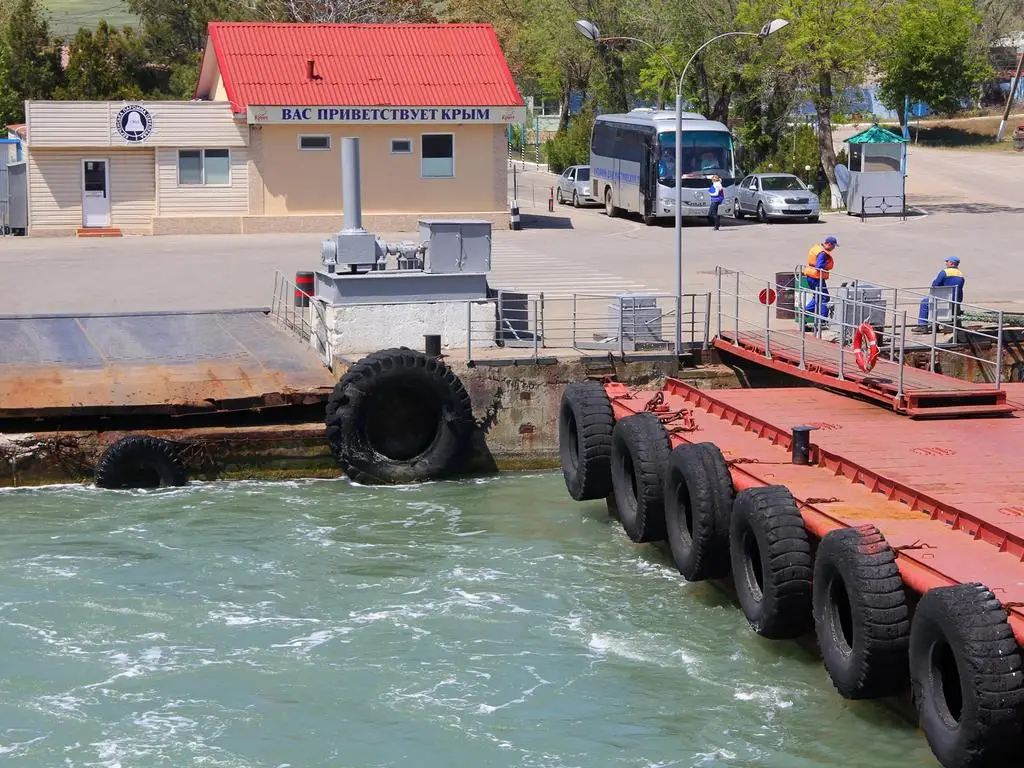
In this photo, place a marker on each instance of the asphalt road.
(972, 204)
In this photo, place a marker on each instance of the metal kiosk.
(877, 182)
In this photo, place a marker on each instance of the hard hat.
(831, 241)
(954, 259)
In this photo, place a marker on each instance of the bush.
(572, 146)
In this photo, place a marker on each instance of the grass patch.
(66, 16)
(979, 133)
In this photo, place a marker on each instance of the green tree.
(104, 65)
(935, 55)
(12, 109)
(827, 47)
(34, 59)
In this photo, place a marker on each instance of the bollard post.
(432, 345)
(801, 445)
(551, 201)
(303, 288)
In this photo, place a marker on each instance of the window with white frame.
(315, 143)
(204, 167)
(401, 146)
(437, 155)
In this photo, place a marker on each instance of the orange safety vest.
(811, 270)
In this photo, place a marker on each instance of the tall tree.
(935, 54)
(104, 65)
(175, 30)
(348, 11)
(828, 47)
(12, 108)
(34, 65)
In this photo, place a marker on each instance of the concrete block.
(364, 328)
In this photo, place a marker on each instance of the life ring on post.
(866, 358)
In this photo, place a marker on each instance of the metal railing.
(892, 312)
(307, 323)
(884, 205)
(524, 324)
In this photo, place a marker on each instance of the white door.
(95, 193)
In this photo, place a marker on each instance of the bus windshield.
(704, 153)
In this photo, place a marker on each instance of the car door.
(755, 194)
(565, 183)
(743, 196)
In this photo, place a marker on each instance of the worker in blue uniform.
(819, 264)
(948, 276)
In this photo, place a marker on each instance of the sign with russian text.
(384, 115)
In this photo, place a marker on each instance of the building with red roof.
(258, 148)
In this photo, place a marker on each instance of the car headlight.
(586, 190)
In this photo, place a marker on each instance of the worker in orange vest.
(819, 264)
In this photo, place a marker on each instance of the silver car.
(574, 186)
(775, 196)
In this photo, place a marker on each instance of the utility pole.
(1009, 97)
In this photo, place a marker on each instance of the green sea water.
(491, 622)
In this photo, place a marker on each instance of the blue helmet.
(831, 241)
(954, 259)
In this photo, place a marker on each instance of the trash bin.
(1018, 138)
(784, 304)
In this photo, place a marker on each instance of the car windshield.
(703, 153)
(782, 184)
(582, 174)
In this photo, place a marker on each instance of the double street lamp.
(590, 31)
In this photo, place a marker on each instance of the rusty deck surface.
(175, 363)
(947, 495)
(925, 394)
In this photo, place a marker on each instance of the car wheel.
(737, 212)
(575, 200)
(761, 215)
(812, 219)
(558, 197)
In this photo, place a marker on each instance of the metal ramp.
(820, 351)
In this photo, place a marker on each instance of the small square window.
(438, 155)
(401, 146)
(316, 143)
(217, 167)
(190, 166)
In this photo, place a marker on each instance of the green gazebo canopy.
(876, 135)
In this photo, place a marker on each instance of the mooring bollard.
(802, 445)
(432, 345)
(514, 223)
(551, 201)
(303, 288)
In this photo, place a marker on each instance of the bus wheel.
(610, 210)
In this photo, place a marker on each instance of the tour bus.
(632, 157)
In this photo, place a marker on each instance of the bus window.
(704, 152)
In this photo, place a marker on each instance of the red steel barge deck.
(946, 495)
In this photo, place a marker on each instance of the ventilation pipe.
(350, 189)
(310, 69)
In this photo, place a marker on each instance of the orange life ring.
(865, 359)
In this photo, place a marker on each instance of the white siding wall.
(55, 187)
(193, 200)
(65, 124)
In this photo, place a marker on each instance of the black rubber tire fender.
(698, 504)
(771, 562)
(640, 451)
(965, 670)
(585, 424)
(860, 613)
(140, 461)
(399, 416)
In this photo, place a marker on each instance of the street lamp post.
(590, 31)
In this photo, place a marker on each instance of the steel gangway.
(765, 321)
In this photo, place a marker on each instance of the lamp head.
(588, 29)
(771, 27)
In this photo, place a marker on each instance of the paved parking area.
(973, 200)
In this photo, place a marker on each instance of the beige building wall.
(55, 189)
(198, 200)
(309, 181)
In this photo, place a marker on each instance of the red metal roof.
(362, 65)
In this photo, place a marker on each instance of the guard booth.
(877, 182)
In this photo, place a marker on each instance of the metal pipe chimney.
(351, 193)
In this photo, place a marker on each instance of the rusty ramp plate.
(165, 362)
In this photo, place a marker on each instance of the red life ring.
(866, 359)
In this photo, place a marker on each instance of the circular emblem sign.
(134, 123)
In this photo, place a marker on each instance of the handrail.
(850, 309)
(298, 321)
